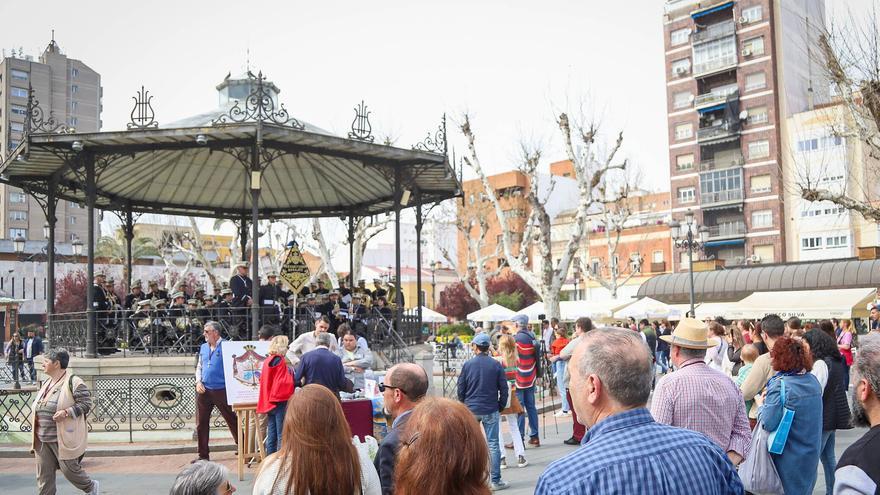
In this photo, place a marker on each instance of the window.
(836, 241)
(684, 162)
(819, 143)
(681, 100)
(757, 115)
(657, 257)
(635, 266)
(721, 185)
(686, 194)
(760, 183)
(18, 109)
(71, 220)
(16, 126)
(762, 219)
(13, 233)
(759, 149)
(594, 265)
(19, 92)
(764, 252)
(18, 216)
(681, 67)
(752, 14)
(73, 106)
(17, 197)
(756, 80)
(19, 75)
(714, 55)
(809, 243)
(684, 131)
(73, 89)
(754, 46)
(74, 72)
(72, 121)
(679, 36)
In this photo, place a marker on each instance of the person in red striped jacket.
(528, 355)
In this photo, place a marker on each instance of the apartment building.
(66, 89)
(735, 71)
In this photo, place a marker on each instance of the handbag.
(778, 437)
(513, 405)
(757, 471)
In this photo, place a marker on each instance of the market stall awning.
(431, 316)
(494, 312)
(807, 304)
(713, 310)
(572, 310)
(651, 308)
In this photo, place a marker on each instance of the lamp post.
(683, 237)
(18, 244)
(434, 267)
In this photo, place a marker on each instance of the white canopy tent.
(714, 309)
(572, 310)
(431, 316)
(494, 312)
(806, 304)
(652, 308)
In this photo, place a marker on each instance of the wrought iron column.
(92, 326)
(255, 235)
(243, 238)
(398, 292)
(351, 253)
(51, 220)
(419, 258)
(128, 230)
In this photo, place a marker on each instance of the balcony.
(715, 97)
(721, 163)
(717, 131)
(714, 65)
(714, 32)
(729, 196)
(658, 266)
(727, 230)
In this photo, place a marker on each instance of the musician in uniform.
(362, 288)
(378, 291)
(344, 292)
(156, 292)
(181, 287)
(356, 311)
(135, 296)
(140, 321)
(241, 286)
(305, 291)
(393, 289)
(216, 295)
(270, 295)
(163, 326)
(382, 308)
(336, 310)
(199, 295)
(321, 289)
(207, 311)
(178, 305)
(228, 314)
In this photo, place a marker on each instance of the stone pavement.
(136, 475)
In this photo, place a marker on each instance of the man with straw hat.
(698, 397)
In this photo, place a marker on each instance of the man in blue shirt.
(625, 450)
(483, 389)
(211, 388)
(323, 367)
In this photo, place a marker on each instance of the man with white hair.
(625, 450)
(858, 470)
(323, 367)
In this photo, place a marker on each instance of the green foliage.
(512, 301)
(565, 296)
(461, 329)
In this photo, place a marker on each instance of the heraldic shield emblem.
(246, 368)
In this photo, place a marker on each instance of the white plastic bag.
(757, 472)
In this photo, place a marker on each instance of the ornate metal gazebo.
(254, 161)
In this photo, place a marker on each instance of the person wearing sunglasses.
(203, 478)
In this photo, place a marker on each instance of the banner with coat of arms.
(242, 365)
(294, 271)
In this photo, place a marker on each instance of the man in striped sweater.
(528, 355)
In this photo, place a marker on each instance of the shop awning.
(495, 312)
(430, 316)
(806, 304)
(652, 308)
(700, 13)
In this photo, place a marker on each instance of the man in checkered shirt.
(698, 397)
(625, 450)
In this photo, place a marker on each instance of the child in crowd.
(748, 355)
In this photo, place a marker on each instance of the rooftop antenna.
(248, 60)
(810, 97)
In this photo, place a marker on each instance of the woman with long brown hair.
(317, 456)
(507, 357)
(442, 451)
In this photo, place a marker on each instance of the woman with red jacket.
(276, 387)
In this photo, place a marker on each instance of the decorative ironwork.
(259, 106)
(436, 142)
(37, 122)
(361, 129)
(142, 115)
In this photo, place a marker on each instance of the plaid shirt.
(702, 399)
(631, 453)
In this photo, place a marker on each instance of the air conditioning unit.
(746, 52)
(744, 20)
(738, 260)
(755, 258)
(680, 71)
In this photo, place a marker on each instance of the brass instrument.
(143, 323)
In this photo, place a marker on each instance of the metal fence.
(121, 404)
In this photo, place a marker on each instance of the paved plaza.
(136, 475)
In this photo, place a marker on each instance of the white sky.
(508, 63)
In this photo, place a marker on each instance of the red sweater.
(276, 384)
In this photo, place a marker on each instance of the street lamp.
(434, 267)
(77, 246)
(18, 244)
(683, 238)
(46, 230)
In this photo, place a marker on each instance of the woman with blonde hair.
(276, 387)
(318, 456)
(507, 357)
(442, 451)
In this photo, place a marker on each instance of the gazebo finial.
(259, 106)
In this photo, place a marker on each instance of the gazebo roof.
(205, 170)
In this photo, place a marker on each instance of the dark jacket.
(734, 355)
(835, 408)
(482, 385)
(36, 347)
(323, 367)
(241, 289)
(386, 456)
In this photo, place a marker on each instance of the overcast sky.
(511, 64)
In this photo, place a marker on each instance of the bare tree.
(613, 220)
(472, 222)
(592, 175)
(365, 229)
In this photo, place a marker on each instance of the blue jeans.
(662, 358)
(526, 397)
(559, 365)
(275, 428)
(491, 424)
(826, 455)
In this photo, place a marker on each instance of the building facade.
(66, 89)
(735, 71)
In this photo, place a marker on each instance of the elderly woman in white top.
(356, 360)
